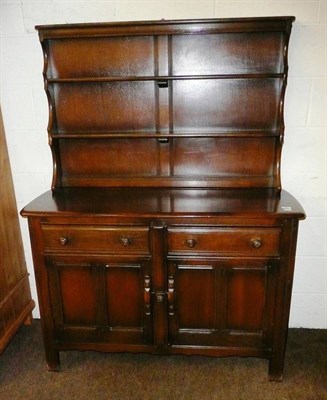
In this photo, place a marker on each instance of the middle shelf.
(163, 78)
(251, 133)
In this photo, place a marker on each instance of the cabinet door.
(100, 300)
(221, 303)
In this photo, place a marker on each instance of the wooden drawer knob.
(190, 243)
(63, 240)
(125, 241)
(256, 243)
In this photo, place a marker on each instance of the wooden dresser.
(166, 229)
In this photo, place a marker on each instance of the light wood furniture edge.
(16, 304)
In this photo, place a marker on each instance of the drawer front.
(89, 238)
(249, 241)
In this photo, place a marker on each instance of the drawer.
(96, 238)
(248, 241)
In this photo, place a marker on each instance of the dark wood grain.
(167, 80)
(199, 26)
(108, 56)
(164, 203)
(166, 230)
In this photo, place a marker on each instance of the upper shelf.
(178, 57)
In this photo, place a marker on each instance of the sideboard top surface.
(75, 202)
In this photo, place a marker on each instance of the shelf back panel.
(238, 53)
(99, 57)
(131, 162)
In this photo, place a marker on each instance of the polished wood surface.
(74, 238)
(126, 83)
(158, 203)
(16, 304)
(166, 230)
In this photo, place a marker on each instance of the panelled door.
(221, 302)
(101, 299)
